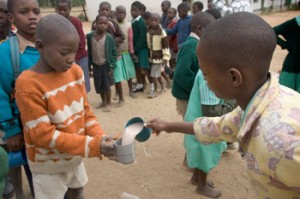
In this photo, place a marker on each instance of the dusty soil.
(158, 171)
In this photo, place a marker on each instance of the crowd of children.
(54, 122)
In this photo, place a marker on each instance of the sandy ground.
(158, 171)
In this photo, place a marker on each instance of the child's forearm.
(180, 127)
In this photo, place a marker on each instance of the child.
(197, 7)
(114, 29)
(165, 6)
(172, 39)
(59, 126)
(25, 56)
(187, 63)
(63, 7)
(183, 24)
(4, 22)
(127, 66)
(266, 123)
(102, 55)
(203, 158)
(159, 53)
(290, 31)
(139, 30)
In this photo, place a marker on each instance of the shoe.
(136, 90)
(152, 94)
(8, 190)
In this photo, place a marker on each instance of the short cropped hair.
(199, 4)
(63, 1)
(200, 19)
(240, 40)
(105, 3)
(183, 6)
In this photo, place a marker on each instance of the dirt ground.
(158, 171)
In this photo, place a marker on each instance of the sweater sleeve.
(173, 30)
(216, 129)
(165, 46)
(39, 129)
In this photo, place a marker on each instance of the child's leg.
(75, 193)
(166, 77)
(131, 94)
(139, 86)
(104, 102)
(107, 108)
(16, 179)
(162, 87)
(203, 187)
(119, 91)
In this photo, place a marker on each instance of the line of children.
(159, 53)
(59, 126)
(102, 56)
(63, 7)
(24, 14)
(266, 121)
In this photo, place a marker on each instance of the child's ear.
(236, 77)
(199, 30)
(39, 45)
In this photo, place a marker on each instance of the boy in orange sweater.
(59, 126)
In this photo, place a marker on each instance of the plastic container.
(125, 154)
(144, 134)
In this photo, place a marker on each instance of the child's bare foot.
(116, 97)
(168, 85)
(162, 90)
(194, 181)
(121, 103)
(209, 192)
(101, 105)
(107, 108)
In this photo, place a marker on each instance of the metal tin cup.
(125, 154)
(144, 134)
(17, 158)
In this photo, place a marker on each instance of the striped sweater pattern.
(58, 124)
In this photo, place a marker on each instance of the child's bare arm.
(158, 125)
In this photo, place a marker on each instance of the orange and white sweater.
(59, 126)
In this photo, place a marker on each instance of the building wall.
(152, 6)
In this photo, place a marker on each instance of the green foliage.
(51, 3)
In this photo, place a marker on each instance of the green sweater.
(290, 31)
(110, 48)
(186, 69)
(139, 30)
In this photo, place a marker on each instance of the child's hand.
(157, 125)
(165, 62)
(107, 147)
(110, 72)
(135, 59)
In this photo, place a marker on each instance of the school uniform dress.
(124, 66)
(198, 155)
(268, 131)
(139, 30)
(290, 30)
(102, 56)
(59, 129)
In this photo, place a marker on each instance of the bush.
(51, 3)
